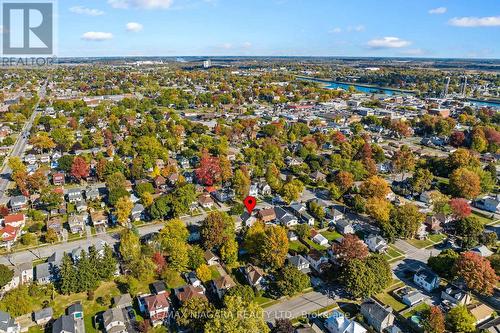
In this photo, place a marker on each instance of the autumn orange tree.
(344, 180)
(460, 208)
(375, 187)
(209, 170)
(476, 272)
(465, 183)
(80, 168)
(351, 247)
(433, 320)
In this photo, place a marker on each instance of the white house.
(338, 323)
(491, 204)
(320, 239)
(426, 279)
(376, 243)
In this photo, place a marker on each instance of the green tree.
(107, 263)
(303, 230)
(244, 291)
(290, 280)
(443, 263)
(175, 230)
(6, 275)
(460, 320)
(421, 180)
(275, 247)
(204, 273)
(406, 220)
(469, 229)
(236, 317)
(363, 278)
(68, 282)
(86, 276)
(241, 183)
(196, 257)
(292, 190)
(216, 229)
(130, 246)
(195, 313)
(229, 251)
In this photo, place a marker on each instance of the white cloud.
(388, 43)
(488, 21)
(336, 30)
(145, 4)
(97, 36)
(438, 11)
(134, 27)
(357, 28)
(86, 11)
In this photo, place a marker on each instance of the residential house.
(481, 312)
(254, 190)
(482, 250)
(72, 322)
(55, 223)
(455, 295)
(138, 212)
(18, 203)
(92, 193)
(411, 297)
(99, 220)
(77, 223)
(43, 316)
(159, 287)
(222, 285)
(317, 176)
(122, 301)
(157, 307)
(266, 215)
(188, 292)
(74, 195)
(205, 201)
(426, 196)
(316, 260)
(7, 323)
(376, 243)
(15, 220)
(318, 238)
(489, 203)
(254, 276)
(422, 232)
(284, 218)
(8, 236)
(433, 224)
(300, 263)
(193, 280)
(81, 206)
(58, 179)
(160, 182)
(114, 321)
(338, 323)
(211, 258)
(426, 279)
(333, 215)
(23, 274)
(377, 316)
(345, 227)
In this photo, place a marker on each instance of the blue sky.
(423, 28)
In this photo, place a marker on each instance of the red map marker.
(250, 203)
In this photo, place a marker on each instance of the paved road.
(298, 306)
(19, 146)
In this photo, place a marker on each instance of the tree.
(236, 317)
(244, 291)
(194, 313)
(403, 161)
(216, 229)
(123, 209)
(457, 139)
(443, 263)
(273, 177)
(130, 246)
(80, 168)
(379, 209)
(196, 257)
(433, 320)
(6, 275)
(229, 251)
(406, 220)
(421, 180)
(316, 210)
(241, 183)
(159, 261)
(292, 190)
(460, 208)
(344, 180)
(86, 277)
(290, 280)
(51, 236)
(460, 320)
(476, 272)
(465, 183)
(178, 257)
(363, 278)
(303, 230)
(274, 247)
(462, 158)
(68, 282)
(351, 247)
(161, 207)
(204, 273)
(209, 171)
(107, 263)
(283, 325)
(469, 229)
(375, 187)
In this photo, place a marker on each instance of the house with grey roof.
(300, 263)
(426, 279)
(43, 316)
(376, 315)
(345, 227)
(77, 223)
(285, 218)
(114, 321)
(18, 203)
(74, 195)
(137, 213)
(7, 324)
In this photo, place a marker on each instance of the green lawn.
(417, 309)
(295, 245)
(331, 235)
(315, 246)
(484, 220)
(420, 243)
(215, 272)
(265, 302)
(393, 253)
(387, 299)
(437, 238)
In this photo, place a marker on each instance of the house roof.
(481, 312)
(156, 302)
(224, 282)
(187, 292)
(43, 314)
(428, 275)
(13, 218)
(65, 323)
(122, 300)
(253, 273)
(113, 315)
(375, 310)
